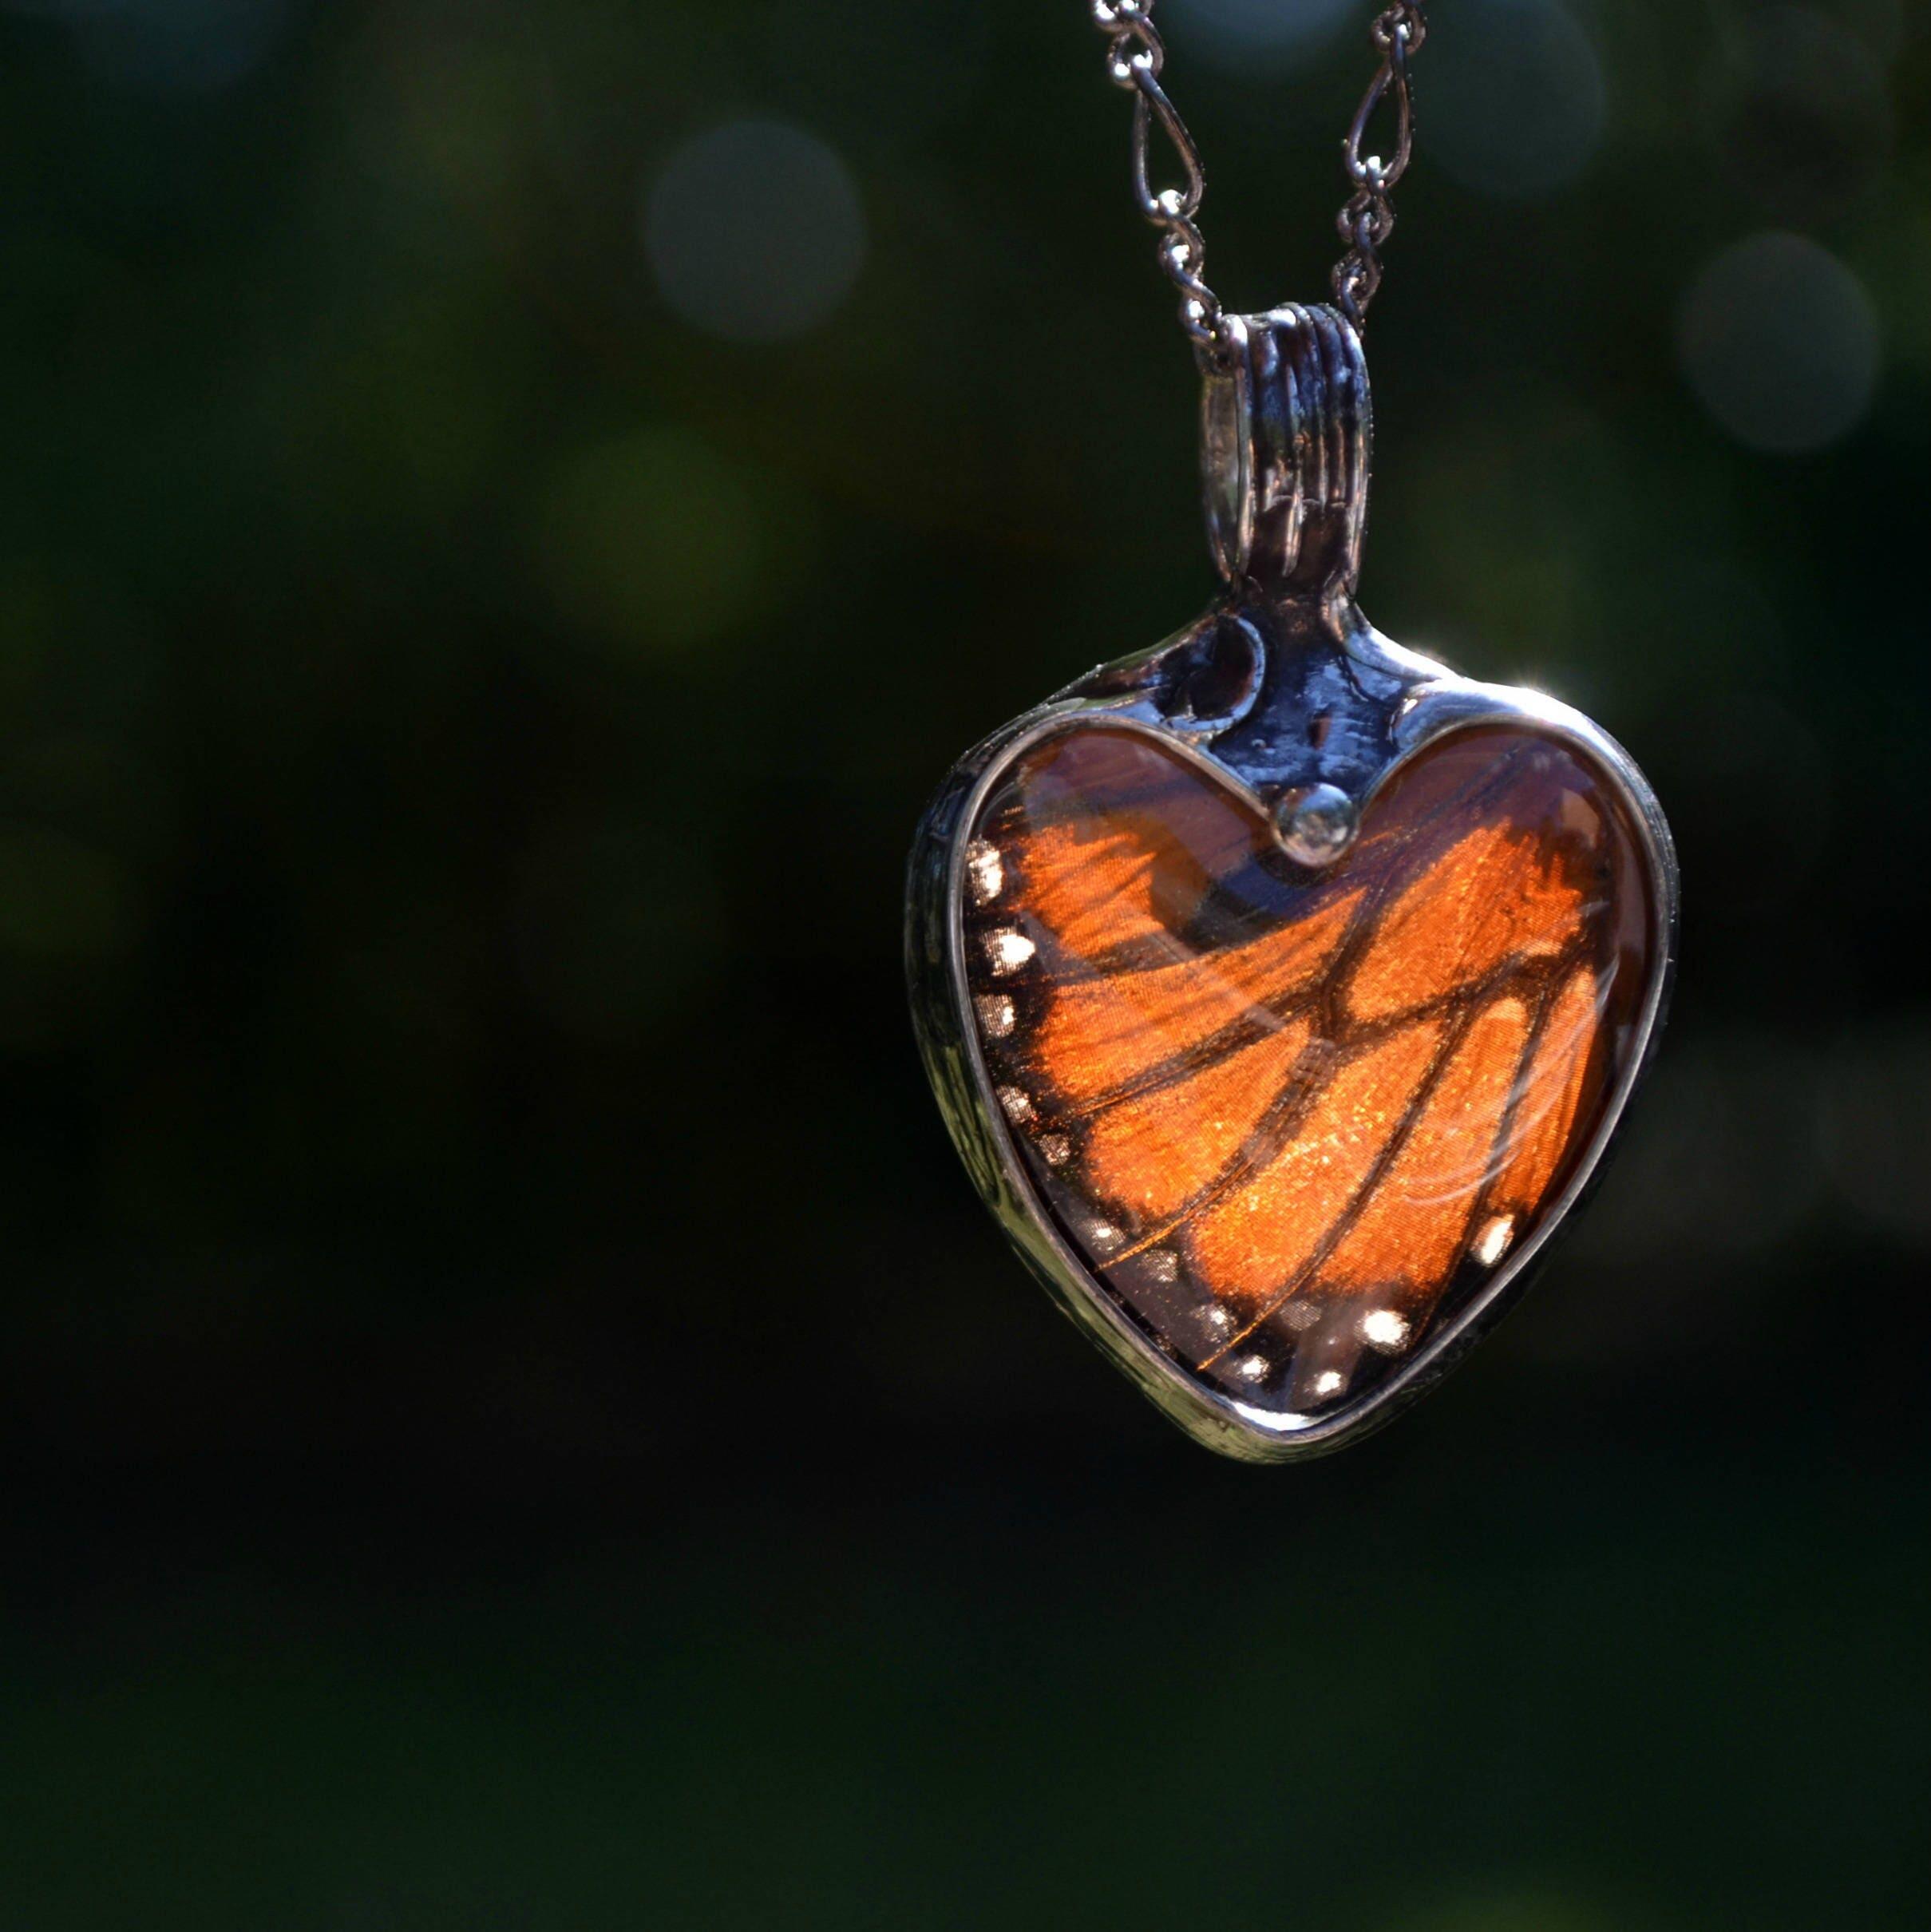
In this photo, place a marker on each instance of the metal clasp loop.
(1286, 426)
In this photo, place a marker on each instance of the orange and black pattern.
(1291, 1121)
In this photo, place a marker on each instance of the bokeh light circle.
(1515, 101)
(1779, 341)
(754, 231)
(653, 542)
(1803, 113)
(1254, 37)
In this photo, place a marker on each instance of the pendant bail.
(1286, 425)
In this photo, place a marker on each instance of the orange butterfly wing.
(1263, 1101)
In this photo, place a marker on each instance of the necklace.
(1282, 990)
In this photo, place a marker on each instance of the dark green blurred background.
(509, 1414)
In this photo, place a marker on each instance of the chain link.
(1367, 217)
(1135, 56)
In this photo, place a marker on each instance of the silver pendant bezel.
(1309, 636)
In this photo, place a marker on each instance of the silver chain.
(1135, 55)
(1367, 217)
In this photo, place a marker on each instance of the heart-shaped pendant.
(1282, 990)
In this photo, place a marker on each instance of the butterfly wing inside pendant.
(1292, 1124)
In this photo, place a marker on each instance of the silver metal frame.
(1287, 450)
